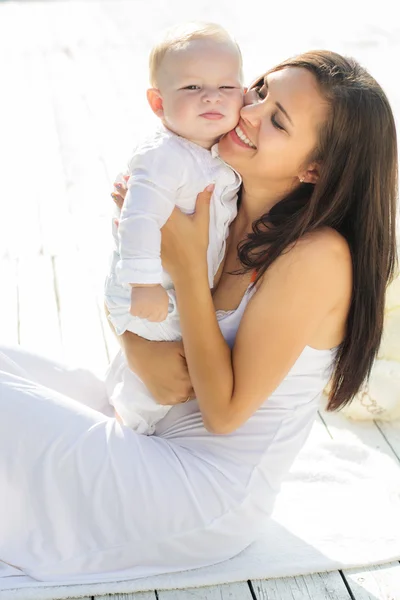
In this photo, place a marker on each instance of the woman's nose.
(250, 97)
(251, 110)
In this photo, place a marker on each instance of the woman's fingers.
(118, 199)
(191, 395)
(204, 198)
(120, 189)
(202, 212)
(119, 193)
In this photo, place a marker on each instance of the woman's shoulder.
(328, 238)
(319, 261)
(311, 284)
(325, 246)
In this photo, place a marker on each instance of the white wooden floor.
(73, 76)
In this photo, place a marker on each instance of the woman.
(88, 499)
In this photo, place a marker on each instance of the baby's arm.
(148, 204)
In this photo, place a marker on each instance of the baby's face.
(201, 90)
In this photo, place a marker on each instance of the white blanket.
(338, 508)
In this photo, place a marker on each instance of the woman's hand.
(120, 189)
(161, 366)
(184, 238)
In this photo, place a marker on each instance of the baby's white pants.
(131, 398)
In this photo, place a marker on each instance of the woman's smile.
(238, 136)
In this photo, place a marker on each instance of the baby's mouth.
(212, 115)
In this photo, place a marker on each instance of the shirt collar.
(214, 151)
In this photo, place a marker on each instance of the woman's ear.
(311, 175)
(155, 100)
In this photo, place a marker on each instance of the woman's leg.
(73, 483)
(82, 496)
(76, 383)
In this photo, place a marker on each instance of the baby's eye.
(191, 87)
(227, 87)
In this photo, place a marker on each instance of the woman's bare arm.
(161, 366)
(299, 291)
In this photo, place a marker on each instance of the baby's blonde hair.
(178, 37)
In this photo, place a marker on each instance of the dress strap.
(253, 276)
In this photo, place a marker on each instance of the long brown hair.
(356, 195)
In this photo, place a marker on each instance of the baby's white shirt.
(166, 171)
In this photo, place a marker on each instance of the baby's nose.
(211, 95)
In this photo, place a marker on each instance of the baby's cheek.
(238, 101)
(234, 109)
(177, 115)
(182, 110)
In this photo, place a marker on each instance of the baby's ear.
(155, 100)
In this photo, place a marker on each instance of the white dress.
(85, 499)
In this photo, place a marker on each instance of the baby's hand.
(149, 302)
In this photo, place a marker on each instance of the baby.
(197, 93)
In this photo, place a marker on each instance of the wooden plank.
(319, 432)
(130, 56)
(38, 308)
(137, 596)
(81, 23)
(391, 432)
(318, 586)
(31, 21)
(343, 429)
(20, 231)
(47, 178)
(88, 187)
(113, 78)
(29, 148)
(375, 583)
(81, 331)
(231, 591)
(87, 180)
(9, 308)
(107, 112)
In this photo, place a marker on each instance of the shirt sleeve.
(150, 200)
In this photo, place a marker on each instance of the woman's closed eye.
(262, 92)
(276, 124)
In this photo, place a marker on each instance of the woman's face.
(277, 130)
